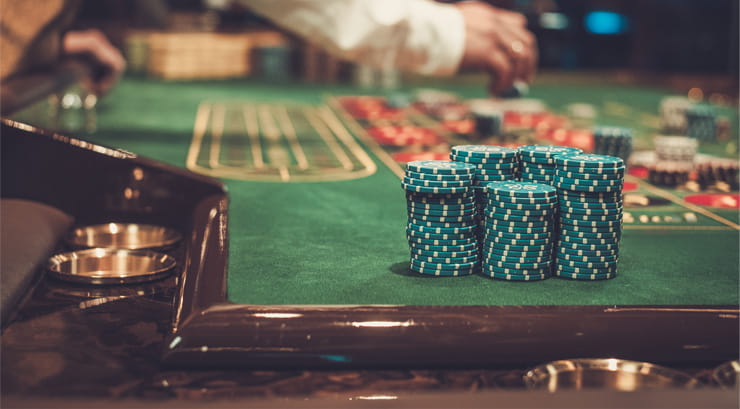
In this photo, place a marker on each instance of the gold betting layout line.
(290, 134)
(249, 112)
(217, 131)
(328, 138)
(368, 141)
(677, 200)
(336, 126)
(275, 152)
(199, 130)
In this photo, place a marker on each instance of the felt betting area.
(343, 242)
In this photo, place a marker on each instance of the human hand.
(94, 44)
(498, 41)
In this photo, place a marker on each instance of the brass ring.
(517, 47)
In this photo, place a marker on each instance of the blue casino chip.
(564, 264)
(491, 163)
(589, 161)
(515, 277)
(439, 176)
(584, 240)
(595, 253)
(590, 218)
(441, 213)
(590, 223)
(587, 259)
(423, 241)
(520, 189)
(584, 270)
(507, 229)
(546, 151)
(429, 189)
(442, 273)
(587, 176)
(444, 266)
(588, 247)
(441, 167)
(582, 188)
(548, 207)
(411, 233)
(590, 205)
(586, 277)
(445, 225)
(519, 236)
(437, 183)
(452, 248)
(444, 254)
(415, 258)
(522, 267)
(523, 200)
(516, 212)
(484, 151)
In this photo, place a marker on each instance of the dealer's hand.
(498, 41)
(94, 44)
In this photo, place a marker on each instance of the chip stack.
(488, 120)
(590, 203)
(715, 172)
(613, 141)
(669, 173)
(492, 164)
(673, 114)
(537, 164)
(675, 148)
(701, 123)
(441, 226)
(519, 231)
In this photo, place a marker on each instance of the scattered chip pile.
(492, 164)
(613, 141)
(537, 164)
(519, 227)
(590, 202)
(441, 228)
(701, 123)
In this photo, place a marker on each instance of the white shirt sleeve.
(412, 35)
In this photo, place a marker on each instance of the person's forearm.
(414, 35)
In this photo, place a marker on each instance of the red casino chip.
(576, 138)
(462, 126)
(715, 200)
(404, 157)
(629, 186)
(394, 135)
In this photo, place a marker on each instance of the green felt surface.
(344, 243)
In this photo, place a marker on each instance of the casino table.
(294, 255)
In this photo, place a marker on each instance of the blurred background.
(681, 44)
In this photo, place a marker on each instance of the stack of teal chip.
(520, 223)
(536, 162)
(701, 123)
(590, 202)
(441, 228)
(613, 141)
(492, 164)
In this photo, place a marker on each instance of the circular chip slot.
(123, 236)
(111, 266)
(614, 374)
